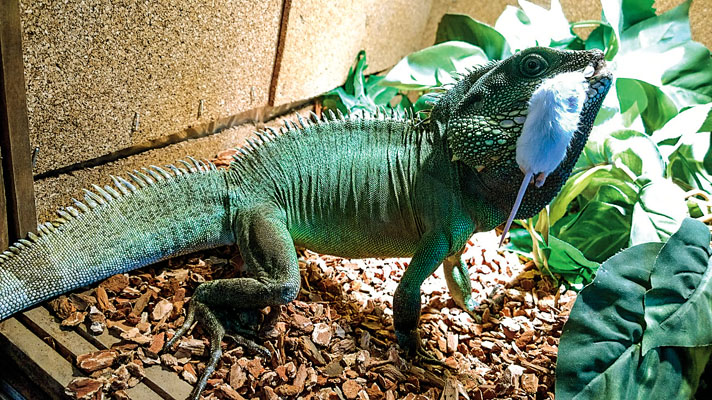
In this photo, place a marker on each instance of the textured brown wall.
(324, 37)
(90, 65)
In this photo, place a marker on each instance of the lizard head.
(483, 115)
(486, 109)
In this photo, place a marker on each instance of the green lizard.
(355, 186)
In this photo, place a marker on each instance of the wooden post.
(4, 237)
(19, 199)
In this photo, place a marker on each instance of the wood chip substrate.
(335, 341)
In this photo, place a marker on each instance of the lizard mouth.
(595, 69)
(597, 76)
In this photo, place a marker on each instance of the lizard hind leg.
(270, 259)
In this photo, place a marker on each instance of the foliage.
(364, 92)
(634, 333)
(648, 162)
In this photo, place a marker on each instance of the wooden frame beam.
(19, 199)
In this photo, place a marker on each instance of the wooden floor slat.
(73, 343)
(22, 339)
(39, 362)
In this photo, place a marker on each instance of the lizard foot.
(410, 343)
(423, 356)
(250, 345)
(471, 307)
(242, 324)
(215, 330)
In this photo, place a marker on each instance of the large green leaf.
(598, 349)
(465, 29)
(680, 301)
(627, 308)
(434, 65)
(658, 213)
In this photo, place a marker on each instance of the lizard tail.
(155, 215)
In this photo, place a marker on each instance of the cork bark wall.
(102, 76)
(92, 66)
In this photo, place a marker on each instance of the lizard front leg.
(268, 252)
(431, 252)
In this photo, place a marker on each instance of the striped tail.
(154, 216)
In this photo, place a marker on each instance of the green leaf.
(378, 94)
(516, 28)
(465, 29)
(602, 227)
(641, 98)
(685, 82)
(685, 168)
(603, 38)
(622, 14)
(598, 349)
(434, 65)
(680, 301)
(571, 189)
(520, 241)
(627, 309)
(686, 145)
(707, 125)
(633, 149)
(361, 92)
(684, 126)
(567, 261)
(355, 81)
(659, 51)
(658, 213)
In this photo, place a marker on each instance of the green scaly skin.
(355, 186)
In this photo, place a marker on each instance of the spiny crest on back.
(102, 196)
(264, 138)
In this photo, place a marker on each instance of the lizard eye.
(533, 65)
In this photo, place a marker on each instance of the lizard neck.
(497, 185)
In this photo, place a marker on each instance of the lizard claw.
(250, 345)
(214, 325)
(476, 316)
(423, 356)
(410, 342)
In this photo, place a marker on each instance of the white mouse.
(552, 119)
